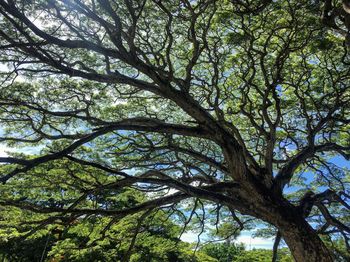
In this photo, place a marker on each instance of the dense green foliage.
(223, 252)
(133, 121)
(262, 255)
(141, 237)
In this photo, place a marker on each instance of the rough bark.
(302, 240)
(275, 246)
(304, 243)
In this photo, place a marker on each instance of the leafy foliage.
(261, 255)
(141, 237)
(223, 252)
(206, 111)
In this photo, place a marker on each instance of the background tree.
(222, 104)
(223, 252)
(263, 255)
(148, 236)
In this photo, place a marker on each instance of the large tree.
(231, 103)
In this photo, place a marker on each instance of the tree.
(223, 252)
(222, 103)
(140, 237)
(263, 255)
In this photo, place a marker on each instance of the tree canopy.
(220, 112)
(140, 237)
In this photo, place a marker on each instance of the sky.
(245, 237)
(3, 150)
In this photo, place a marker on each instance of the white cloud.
(245, 238)
(189, 237)
(171, 191)
(3, 150)
(255, 242)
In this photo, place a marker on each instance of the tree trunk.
(303, 242)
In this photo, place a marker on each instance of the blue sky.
(245, 237)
